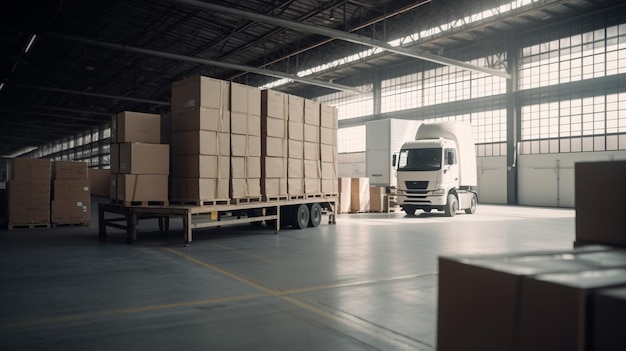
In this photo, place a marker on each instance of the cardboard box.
(200, 166)
(274, 104)
(311, 133)
(70, 170)
(245, 99)
(328, 116)
(295, 168)
(600, 214)
(377, 199)
(275, 147)
(311, 112)
(238, 145)
(327, 136)
(30, 168)
(360, 195)
(245, 124)
(254, 146)
(200, 91)
(245, 188)
(274, 187)
(140, 158)
(295, 186)
(64, 189)
(327, 153)
(69, 211)
(200, 189)
(312, 169)
(131, 127)
(311, 151)
(295, 149)
(245, 167)
(274, 167)
(115, 158)
(607, 319)
(29, 214)
(296, 109)
(142, 187)
(555, 309)
(329, 170)
(195, 142)
(345, 194)
(274, 127)
(253, 167)
(312, 186)
(201, 118)
(99, 181)
(329, 186)
(295, 130)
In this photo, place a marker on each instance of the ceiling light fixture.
(1, 86)
(30, 43)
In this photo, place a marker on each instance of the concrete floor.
(367, 283)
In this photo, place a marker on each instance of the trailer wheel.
(315, 215)
(472, 207)
(452, 206)
(301, 218)
(410, 211)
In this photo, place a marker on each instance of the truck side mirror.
(393, 160)
(449, 158)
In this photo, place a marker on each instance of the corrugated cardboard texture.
(200, 91)
(130, 127)
(31, 168)
(201, 118)
(311, 133)
(195, 142)
(99, 181)
(274, 104)
(69, 170)
(311, 112)
(140, 158)
(142, 187)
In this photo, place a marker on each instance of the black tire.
(410, 211)
(427, 210)
(452, 206)
(472, 208)
(315, 215)
(301, 217)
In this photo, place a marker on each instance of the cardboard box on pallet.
(201, 166)
(295, 130)
(274, 104)
(274, 187)
(311, 133)
(329, 170)
(245, 167)
(141, 158)
(201, 118)
(71, 189)
(296, 109)
(345, 194)
(200, 142)
(69, 170)
(605, 224)
(328, 116)
(30, 168)
(295, 168)
(274, 147)
(274, 167)
(130, 127)
(295, 149)
(141, 187)
(330, 186)
(245, 124)
(200, 91)
(245, 188)
(312, 186)
(36, 213)
(99, 181)
(295, 186)
(377, 199)
(311, 112)
(327, 136)
(70, 211)
(311, 151)
(274, 127)
(200, 189)
(360, 194)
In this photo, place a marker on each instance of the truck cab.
(437, 170)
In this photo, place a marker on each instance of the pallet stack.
(139, 163)
(312, 158)
(295, 147)
(245, 143)
(274, 143)
(71, 196)
(200, 141)
(29, 193)
(328, 149)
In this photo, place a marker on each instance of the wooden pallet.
(139, 203)
(74, 224)
(190, 202)
(331, 195)
(246, 200)
(296, 197)
(314, 196)
(275, 198)
(28, 225)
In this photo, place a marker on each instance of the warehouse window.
(351, 105)
(351, 139)
(401, 93)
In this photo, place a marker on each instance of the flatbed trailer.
(299, 213)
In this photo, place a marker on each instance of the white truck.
(437, 170)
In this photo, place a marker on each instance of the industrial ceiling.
(68, 65)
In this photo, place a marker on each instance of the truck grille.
(422, 184)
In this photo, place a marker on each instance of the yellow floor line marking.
(243, 253)
(131, 310)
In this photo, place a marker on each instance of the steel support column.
(513, 125)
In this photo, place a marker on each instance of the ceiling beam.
(349, 37)
(172, 56)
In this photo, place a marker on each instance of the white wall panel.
(548, 180)
(492, 180)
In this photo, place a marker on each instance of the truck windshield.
(420, 160)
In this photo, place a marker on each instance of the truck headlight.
(439, 192)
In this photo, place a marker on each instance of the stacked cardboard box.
(139, 163)
(360, 195)
(99, 181)
(312, 157)
(71, 198)
(328, 149)
(345, 194)
(245, 139)
(29, 193)
(378, 199)
(274, 143)
(200, 140)
(524, 301)
(295, 147)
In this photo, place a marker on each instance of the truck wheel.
(301, 218)
(472, 207)
(315, 215)
(427, 210)
(410, 211)
(452, 206)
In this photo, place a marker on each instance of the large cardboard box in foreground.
(200, 91)
(130, 127)
(99, 181)
(141, 187)
(30, 168)
(141, 158)
(68, 211)
(69, 170)
(360, 194)
(600, 213)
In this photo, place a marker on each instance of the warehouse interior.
(542, 83)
